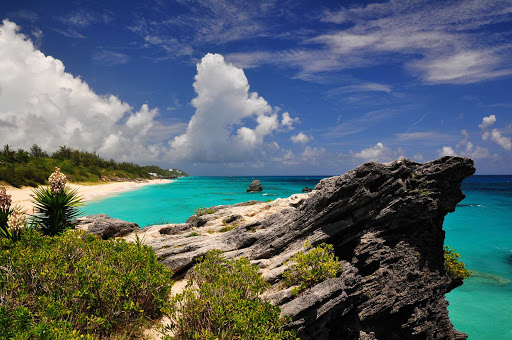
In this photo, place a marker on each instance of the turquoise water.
(175, 202)
(480, 230)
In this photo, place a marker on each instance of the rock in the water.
(306, 189)
(255, 186)
(385, 222)
(105, 227)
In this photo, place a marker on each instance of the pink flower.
(5, 200)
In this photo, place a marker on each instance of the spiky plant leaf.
(55, 212)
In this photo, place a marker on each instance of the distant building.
(152, 174)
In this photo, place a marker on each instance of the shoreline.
(22, 196)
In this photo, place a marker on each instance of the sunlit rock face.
(385, 223)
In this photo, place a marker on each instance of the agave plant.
(56, 206)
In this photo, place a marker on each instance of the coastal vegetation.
(453, 265)
(32, 168)
(75, 284)
(57, 205)
(221, 301)
(313, 266)
(60, 284)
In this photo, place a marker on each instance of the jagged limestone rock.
(385, 223)
(255, 186)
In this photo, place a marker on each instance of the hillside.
(32, 168)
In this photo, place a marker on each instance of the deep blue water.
(480, 230)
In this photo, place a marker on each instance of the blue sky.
(260, 87)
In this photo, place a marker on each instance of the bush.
(57, 205)
(453, 266)
(221, 302)
(80, 284)
(311, 267)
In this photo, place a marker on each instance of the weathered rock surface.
(385, 222)
(104, 226)
(255, 186)
(306, 189)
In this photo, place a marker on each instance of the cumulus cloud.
(300, 138)
(41, 103)
(225, 108)
(447, 151)
(487, 121)
(287, 121)
(376, 153)
(498, 138)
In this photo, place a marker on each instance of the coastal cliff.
(385, 223)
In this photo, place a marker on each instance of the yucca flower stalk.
(5, 211)
(56, 205)
(16, 223)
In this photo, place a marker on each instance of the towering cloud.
(225, 108)
(41, 103)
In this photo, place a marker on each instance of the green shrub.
(221, 302)
(453, 266)
(55, 211)
(79, 282)
(311, 267)
(20, 323)
(203, 211)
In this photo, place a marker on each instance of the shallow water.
(480, 230)
(175, 202)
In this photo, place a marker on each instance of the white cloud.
(419, 157)
(313, 155)
(504, 142)
(110, 58)
(366, 87)
(487, 121)
(475, 152)
(376, 153)
(287, 122)
(41, 103)
(463, 67)
(300, 138)
(440, 42)
(217, 132)
(447, 151)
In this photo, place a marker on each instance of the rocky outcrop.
(306, 189)
(255, 186)
(104, 226)
(385, 223)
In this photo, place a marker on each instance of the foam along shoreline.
(22, 196)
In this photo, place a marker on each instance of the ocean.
(480, 230)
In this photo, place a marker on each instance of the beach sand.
(22, 198)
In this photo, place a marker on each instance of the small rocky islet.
(385, 222)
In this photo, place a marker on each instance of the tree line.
(32, 168)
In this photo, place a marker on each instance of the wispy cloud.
(78, 20)
(110, 58)
(206, 22)
(439, 42)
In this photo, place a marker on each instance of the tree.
(37, 152)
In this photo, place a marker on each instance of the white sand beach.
(22, 197)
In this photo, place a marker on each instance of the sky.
(244, 87)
